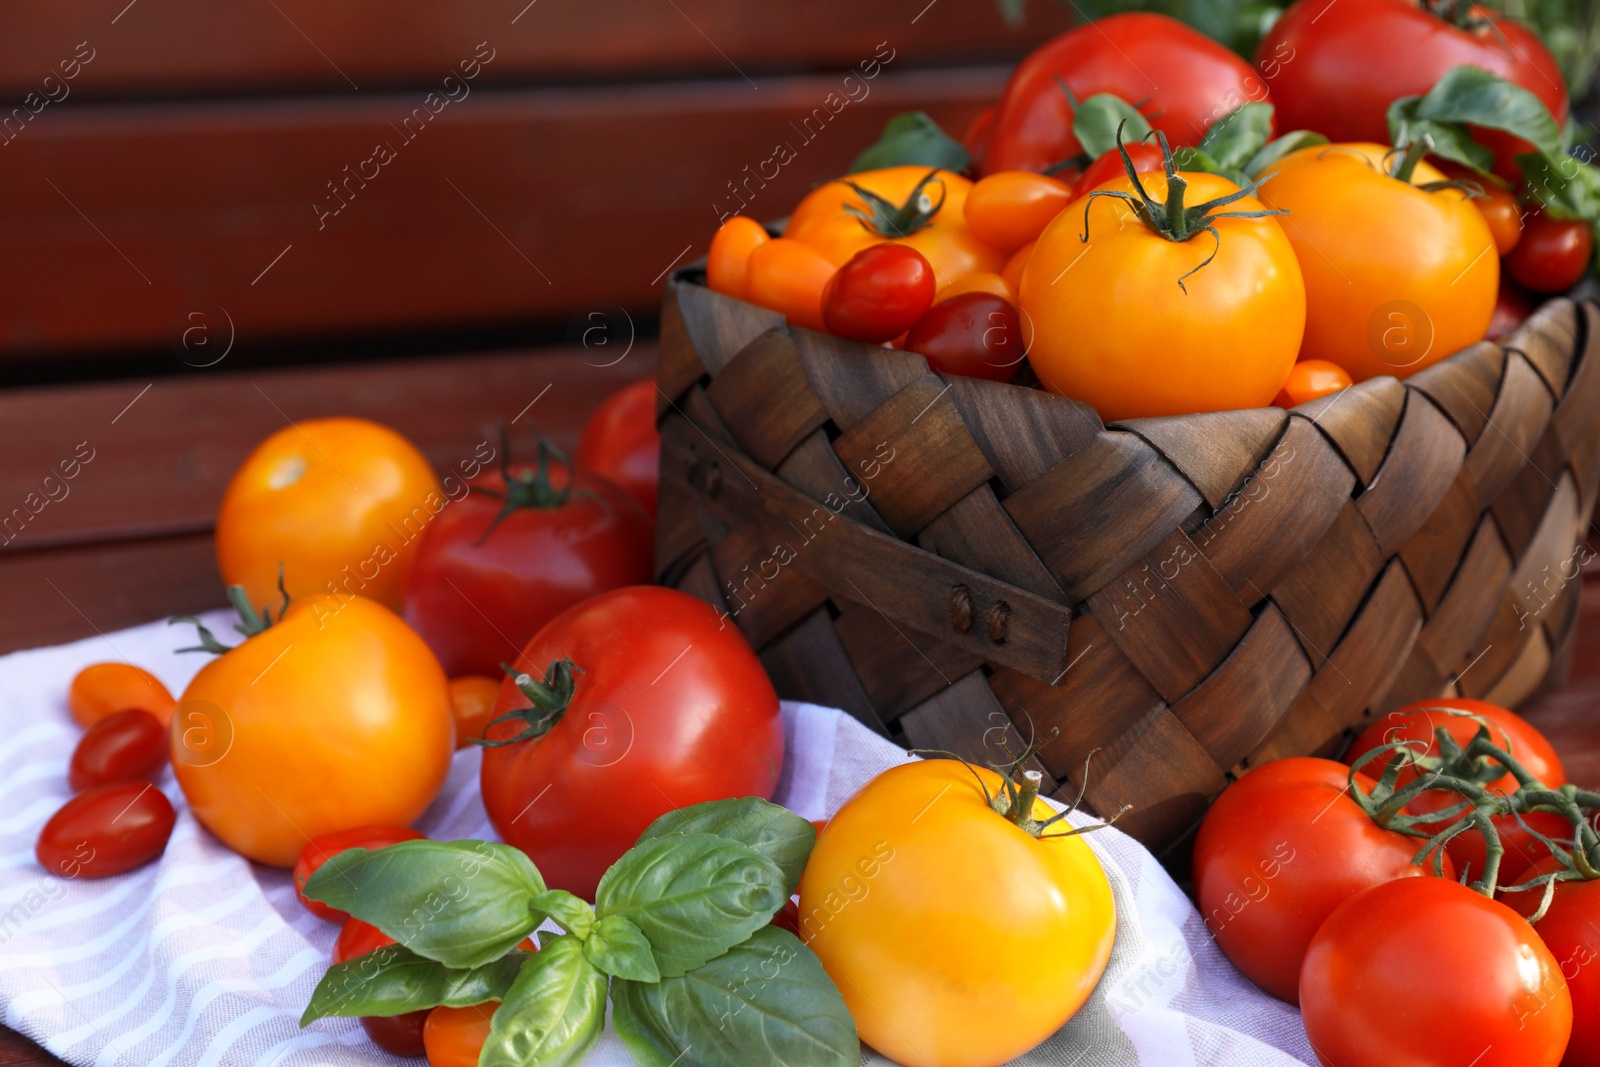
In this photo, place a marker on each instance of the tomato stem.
(528, 488)
(250, 622)
(548, 701)
(884, 218)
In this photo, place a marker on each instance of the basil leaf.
(1237, 136)
(1095, 124)
(394, 980)
(771, 829)
(571, 913)
(767, 1001)
(552, 1014)
(1567, 187)
(1275, 150)
(911, 138)
(463, 903)
(1450, 140)
(1472, 95)
(693, 895)
(619, 948)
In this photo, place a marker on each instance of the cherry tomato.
(1511, 309)
(103, 689)
(338, 503)
(1309, 379)
(1552, 255)
(399, 1034)
(929, 911)
(1012, 208)
(788, 277)
(338, 716)
(320, 850)
(1281, 849)
(978, 282)
(1147, 159)
(788, 918)
(454, 1036)
(728, 264)
(129, 744)
(879, 294)
(976, 136)
(105, 830)
(976, 334)
(620, 442)
(1012, 272)
(472, 697)
(1425, 972)
(513, 554)
(1498, 204)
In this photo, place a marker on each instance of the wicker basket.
(964, 565)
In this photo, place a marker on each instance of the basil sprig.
(679, 938)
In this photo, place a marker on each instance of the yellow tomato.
(1396, 277)
(339, 503)
(335, 717)
(1111, 325)
(957, 938)
(1011, 208)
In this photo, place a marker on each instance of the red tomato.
(1199, 81)
(127, 744)
(1511, 309)
(1281, 849)
(1417, 722)
(1309, 379)
(1552, 255)
(788, 918)
(1336, 68)
(879, 294)
(500, 563)
(105, 830)
(676, 712)
(1147, 159)
(620, 442)
(320, 850)
(357, 938)
(975, 334)
(1427, 973)
(976, 136)
(454, 1037)
(1571, 931)
(1498, 204)
(400, 1034)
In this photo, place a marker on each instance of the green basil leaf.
(694, 896)
(1565, 186)
(571, 913)
(911, 138)
(1237, 136)
(552, 1014)
(463, 903)
(394, 980)
(1473, 96)
(1450, 140)
(771, 829)
(619, 948)
(766, 1001)
(1095, 124)
(1273, 151)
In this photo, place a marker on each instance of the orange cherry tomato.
(340, 503)
(789, 277)
(103, 689)
(472, 698)
(978, 282)
(454, 1037)
(1309, 379)
(1012, 208)
(728, 263)
(1012, 273)
(1503, 214)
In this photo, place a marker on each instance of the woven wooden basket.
(965, 565)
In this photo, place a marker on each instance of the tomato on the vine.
(321, 849)
(105, 830)
(103, 689)
(1146, 156)
(1012, 207)
(620, 442)
(1553, 253)
(129, 744)
(976, 334)
(1309, 379)
(879, 294)
(1570, 929)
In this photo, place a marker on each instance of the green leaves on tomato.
(552, 1014)
(394, 980)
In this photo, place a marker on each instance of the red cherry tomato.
(788, 918)
(1552, 255)
(484, 580)
(319, 851)
(620, 442)
(975, 334)
(1511, 309)
(400, 1034)
(879, 294)
(125, 745)
(1147, 159)
(976, 135)
(105, 830)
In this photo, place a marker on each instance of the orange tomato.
(1309, 379)
(978, 282)
(1012, 273)
(339, 503)
(472, 699)
(103, 689)
(1498, 205)
(453, 1037)
(728, 263)
(1012, 208)
(789, 277)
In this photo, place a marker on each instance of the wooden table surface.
(131, 541)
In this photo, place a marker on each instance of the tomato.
(1012, 208)
(105, 830)
(1147, 159)
(1309, 379)
(324, 848)
(454, 1036)
(103, 689)
(399, 1034)
(1498, 204)
(128, 744)
(1336, 69)
(1281, 849)
(789, 277)
(472, 698)
(879, 294)
(620, 442)
(1570, 929)
(677, 713)
(1112, 326)
(978, 282)
(1012, 271)
(976, 136)
(976, 334)
(1552, 255)
(957, 938)
(788, 918)
(1416, 723)
(522, 547)
(1397, 278)
(337, 503)
(1426, 972)
(1199, 81)
(338, 716)
(1511, 309)
(728, 264)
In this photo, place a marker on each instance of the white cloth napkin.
(204, 958)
